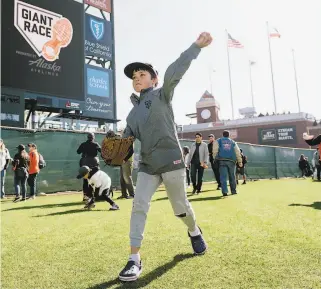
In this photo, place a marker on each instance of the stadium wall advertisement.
(98, 37)
(279, 135)
(44, 46)
(42, 52)
(100, 4)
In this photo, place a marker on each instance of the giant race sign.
(277, 136)
(42, 51)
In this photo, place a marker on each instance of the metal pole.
(296, 81)
(250, 65)
(268, 35)
(229, 71)
(113, 67)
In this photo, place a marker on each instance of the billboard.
(100, 4)
(99, 101)
(41, 47)
(98, 37)
(12, 109)
(277, 136)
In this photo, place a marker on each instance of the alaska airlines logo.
(45, 31)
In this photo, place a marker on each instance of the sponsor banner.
(41, 47)
(100, 4)
(278, 136)
(99, 101)
(98, 37)
(12, 108)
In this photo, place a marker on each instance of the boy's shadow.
(147, 279)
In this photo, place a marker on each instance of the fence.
(59, 151)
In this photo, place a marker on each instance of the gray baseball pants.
(146, 186)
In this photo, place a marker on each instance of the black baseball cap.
(84, 170)
(21, 147)
(135, 66)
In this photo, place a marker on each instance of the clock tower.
(207, 109)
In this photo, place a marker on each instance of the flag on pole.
(275, 33)
(233, 42)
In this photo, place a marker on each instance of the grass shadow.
(315, 205)
(206, 199)
(148, 278)
(49, 206)
(68, 213)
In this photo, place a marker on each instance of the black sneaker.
(244, 183)
(198, 243)
(114, 207)
(194, 192)
(198, 192)
(131, 272)
(224, 195)
(90, 206)
(218, 188)
(17, 199)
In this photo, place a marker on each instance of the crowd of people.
(26, 167)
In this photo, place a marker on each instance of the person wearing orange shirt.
(33, 169)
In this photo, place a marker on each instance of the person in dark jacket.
(89, 157)
(241, 170)
(228, 153)
(303, 165)
(20, 166)
(214, 162)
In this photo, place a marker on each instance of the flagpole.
(268, 35)
(229, 71)
(250, 66)
(210, 76)
(296, 81)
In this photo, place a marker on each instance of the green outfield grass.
(267, 236)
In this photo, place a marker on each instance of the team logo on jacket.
(148, 104)
(97, 28)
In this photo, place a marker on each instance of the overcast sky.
(158, 31)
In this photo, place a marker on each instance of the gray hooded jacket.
(151, 120)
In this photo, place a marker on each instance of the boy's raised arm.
(176, 70)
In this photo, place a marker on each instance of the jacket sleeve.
(215, 149)
(128, 132)
(79, 150)
(315, 141)
(238, 154)
(176, 71)
(206, 154)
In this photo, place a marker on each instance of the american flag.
(233, 42)
(275, 33)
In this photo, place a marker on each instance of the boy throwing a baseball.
(152, 122)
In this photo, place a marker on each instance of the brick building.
(284, 130)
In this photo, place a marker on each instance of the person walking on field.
(187, 167)
(198, 159)
(152, 122)
(228, 153)
(214, 162)
(33, 170)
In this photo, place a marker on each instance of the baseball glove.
(114, 149)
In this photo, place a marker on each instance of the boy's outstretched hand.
(205, 39)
